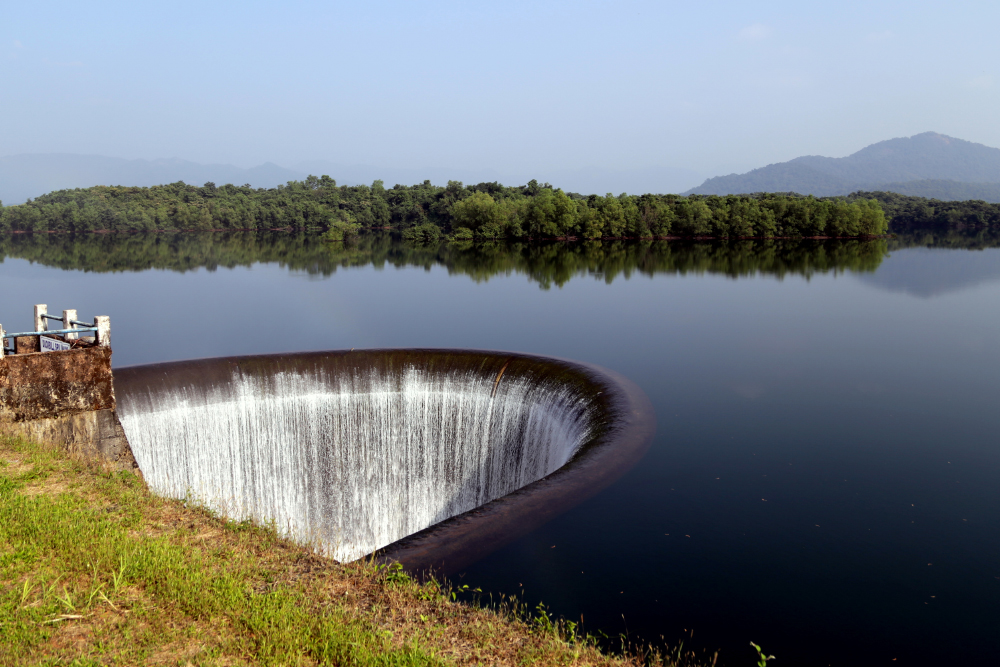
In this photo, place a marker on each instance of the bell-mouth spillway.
(433, 458)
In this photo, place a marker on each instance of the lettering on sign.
(53, 345)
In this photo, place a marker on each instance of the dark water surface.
(825, 479)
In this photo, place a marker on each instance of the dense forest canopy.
(910, 213)
(486, 211)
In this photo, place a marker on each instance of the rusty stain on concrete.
(66, 398)
(26, 344)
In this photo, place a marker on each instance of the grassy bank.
(95, 570)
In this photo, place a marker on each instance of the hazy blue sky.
(711, 86)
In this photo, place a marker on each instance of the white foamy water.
(355, 461)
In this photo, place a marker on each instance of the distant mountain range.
(32, 175)
(924, 165)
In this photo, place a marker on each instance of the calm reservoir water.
(825, 479)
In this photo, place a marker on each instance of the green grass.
(95, 570)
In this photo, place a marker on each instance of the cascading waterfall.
(352, 452)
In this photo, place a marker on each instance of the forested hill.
(927, 165)
(26, 176)
(486, 210)
(949, 191)
(919, 213)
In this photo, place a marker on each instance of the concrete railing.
(70, 331)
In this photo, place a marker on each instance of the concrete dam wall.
(431, 457)
(65, 398)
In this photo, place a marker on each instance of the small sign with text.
(53, 345)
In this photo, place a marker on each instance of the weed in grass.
(66, 600)
(394, 574)
(26, 588)
(762, 659)
(118, 576)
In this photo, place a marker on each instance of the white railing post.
(41, 324)
(103, 324)
(68, 317)
(2, 351)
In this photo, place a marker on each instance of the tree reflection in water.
(547, 263)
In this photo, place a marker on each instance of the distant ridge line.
(925, 165)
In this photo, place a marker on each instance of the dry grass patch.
(96, 570)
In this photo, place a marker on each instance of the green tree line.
(546, 263)
(919, 213)
(484, 211)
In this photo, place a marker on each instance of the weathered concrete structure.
(66, 397)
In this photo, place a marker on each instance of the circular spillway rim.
(452, 544)
(448, 546)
